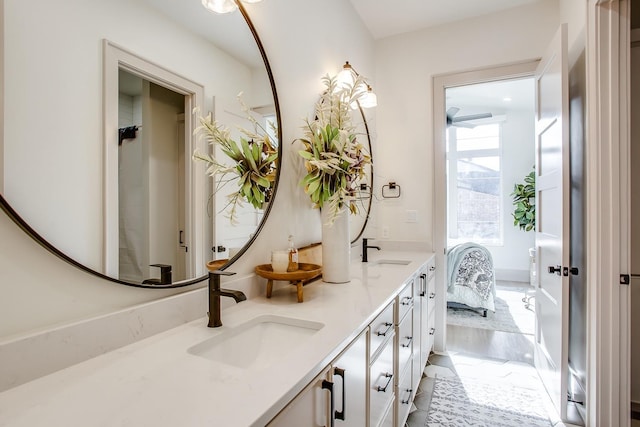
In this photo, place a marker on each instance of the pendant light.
(220, 6)
(224, 6)
(346, 77)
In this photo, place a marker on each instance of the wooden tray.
(216, 264)
(305, 272)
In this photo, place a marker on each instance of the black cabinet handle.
(432, 295)
(388, 376)
(328, 385)
(408, 399)
(406, 301)
(432, 268)
(384, 334)
(409, 341)
(432, 331)
(423, 284)
(340, 414)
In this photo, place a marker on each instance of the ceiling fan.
(452, 120)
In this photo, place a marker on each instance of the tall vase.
(336, 248)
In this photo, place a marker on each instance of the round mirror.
(102, 105)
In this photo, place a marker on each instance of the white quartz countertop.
(157, 382)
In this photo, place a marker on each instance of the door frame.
(116, 57)
(440, 84)
(608, 212)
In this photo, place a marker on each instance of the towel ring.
(391, 186)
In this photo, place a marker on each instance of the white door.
(552, 221)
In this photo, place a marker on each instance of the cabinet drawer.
(431, 268)
(403, 398)
(405, 343)
(431, 300)
(381, 391)
(381, 329)
(405, 301)
(431, 330)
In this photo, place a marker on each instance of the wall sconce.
(346, 77)
(224, 6)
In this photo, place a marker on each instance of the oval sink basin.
(257, 343)
(393, 261)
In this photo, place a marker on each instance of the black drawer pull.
(406, 301)
(339, 415)
(384, 334)
(432, 331)
(408, 399)
(432, 295)
(432, 268)
(408, 344)
(388, 377)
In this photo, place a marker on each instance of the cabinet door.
(418, 300)
(310, 408)
(425, 338)
(381, 383)
(350, 384)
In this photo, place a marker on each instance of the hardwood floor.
(490, 344)
(476, 342)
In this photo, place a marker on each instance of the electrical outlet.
(385, 232)
(412, 216)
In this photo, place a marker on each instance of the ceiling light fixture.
(224, 6)
(347, 76)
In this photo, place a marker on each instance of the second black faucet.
(365, 246)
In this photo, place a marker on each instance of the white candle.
(279, 261)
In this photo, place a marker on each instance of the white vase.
(336, 248)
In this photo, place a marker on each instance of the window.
(474, 184)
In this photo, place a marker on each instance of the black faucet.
(165, 275)
(214, 296)
(365, 246)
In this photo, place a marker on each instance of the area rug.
(481, 403)
(510, 315)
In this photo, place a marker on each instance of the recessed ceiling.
(386, 18)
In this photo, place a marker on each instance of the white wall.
(511, 260)
(40, 290)
(405, 66)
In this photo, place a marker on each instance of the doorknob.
(555, 269)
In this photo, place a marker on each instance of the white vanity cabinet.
(374, 381)
(336, 397)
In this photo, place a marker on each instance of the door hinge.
(625, 279)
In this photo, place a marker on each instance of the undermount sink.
(393, 262)
(257, 343)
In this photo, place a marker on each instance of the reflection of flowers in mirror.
(253, 161)
(335, 160)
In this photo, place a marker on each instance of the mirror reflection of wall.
(151, 179)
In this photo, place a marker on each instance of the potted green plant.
(335, 162)
(524, 213)
(251, 161)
